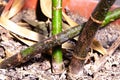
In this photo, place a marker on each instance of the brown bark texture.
(87, 34)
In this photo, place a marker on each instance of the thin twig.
(98, 64)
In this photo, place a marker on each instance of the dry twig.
(98, 64)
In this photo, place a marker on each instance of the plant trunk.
(87, 35)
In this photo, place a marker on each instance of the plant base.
(58, 68)
(76, 65)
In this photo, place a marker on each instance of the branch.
(40, 47)
(99, 63)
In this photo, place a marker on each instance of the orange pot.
(8, 5)
(82, 7)
(30, 4)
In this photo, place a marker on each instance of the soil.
(39, 67)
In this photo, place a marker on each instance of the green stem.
(56, 16)
(57, 54)
(57, 28)
(111, 16)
